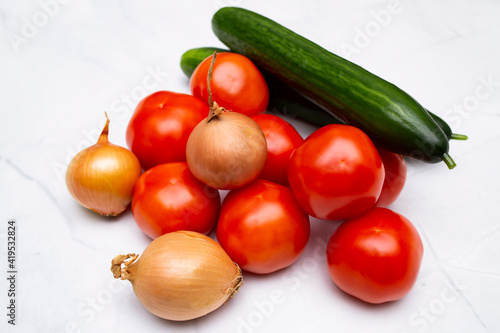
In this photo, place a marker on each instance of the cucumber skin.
(282, 99)
(390, 117)
(192, 58)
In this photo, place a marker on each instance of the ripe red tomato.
(237, 84)
(169, 198)
(160, 126)
(375, 257)
(395, 177)
(282, 139)
(262, 228)
(337, 173)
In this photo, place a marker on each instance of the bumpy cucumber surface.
(285, 101)
(391, 117)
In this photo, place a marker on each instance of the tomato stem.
(448, 161)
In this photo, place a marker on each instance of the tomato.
(159, 129)
(337, 173)
(375, 257)
(169, 198)
(395, 177)
(262, 228)
(237, 84)
(282, 139)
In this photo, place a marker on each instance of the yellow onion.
(102, 177)
(181, 275)
(227, 149)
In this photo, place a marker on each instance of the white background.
(64, 63)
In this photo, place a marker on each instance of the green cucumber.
(286, 102)
(388, 115)
(446, 128)
(192, 58)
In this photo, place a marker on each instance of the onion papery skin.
(102, 177)
(227, 152)
(184, 275)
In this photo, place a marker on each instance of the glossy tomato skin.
(282, 139)
(169, 198)
(262, 228)
(395, 177)
(237, 84)
(375, 257)
(158, 131)
(337, 173)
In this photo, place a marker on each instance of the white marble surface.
(63, 63)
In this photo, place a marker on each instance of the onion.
(181, 275)
(227, 149)
(102, 177)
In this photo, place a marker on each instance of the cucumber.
(284, 101)
(388, 115)
(192, 58)
(446, 128)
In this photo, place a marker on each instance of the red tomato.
(375, 257)
(237, 84)
(262, 228)
(337, 173)
(160, 126)
(395, 177)
(282, 139)
(169, 198)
